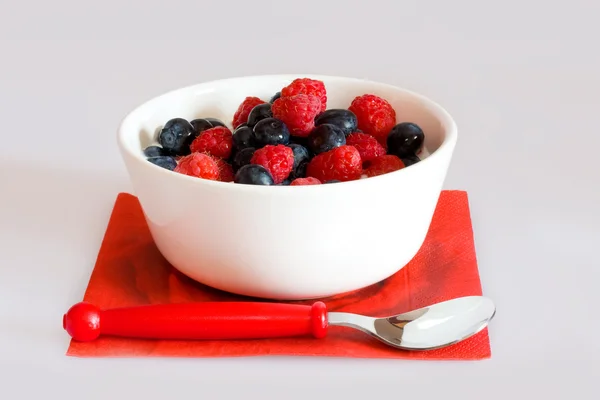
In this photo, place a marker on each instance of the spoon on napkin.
(432, 327)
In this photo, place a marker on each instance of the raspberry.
(383, 165)
(241, 114)
(198, 165)
(225, 170)
(216, 141)
(368, 147)
(307, 86)
(342, 163)
(375, 116)
(278, 160)
(305, 181)
(298, 112)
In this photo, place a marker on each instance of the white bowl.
(287, 242)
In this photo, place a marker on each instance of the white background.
(522, 79)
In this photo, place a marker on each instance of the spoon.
(426, 328)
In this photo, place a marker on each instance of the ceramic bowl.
(287, 242)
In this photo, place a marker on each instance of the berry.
(241, 114)
(342, 163)
(285, 182)
(278, 160)
(225, 170)
(307, 86)
(271, 131)
(305, 181)
(405, 139)
(297, 112)
(199, 165)
(383, 165)
(173, 136)
(343, 119)
(275, 97)
(410, 160)
(200, 125)
(252, 174)
(301, 158)
(368, 147)
(332, 181)
(216, 141)
(154, 151)
(164, 162)
(243, 137)
(243, 157)
(375, 116)
(326, 137)
(258, 113)
(215, 122)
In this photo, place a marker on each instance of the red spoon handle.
(210, 320)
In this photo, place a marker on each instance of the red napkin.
(131, 271)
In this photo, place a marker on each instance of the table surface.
(520, 78)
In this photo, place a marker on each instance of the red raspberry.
(198, 165)
(383, 165)
(225, 170)
(307, 86)
(368, 147)
(375, 116)
(277, 159)
(305, 181)
(216, 141)
(342, 163)
(241, 114)
(298, 112)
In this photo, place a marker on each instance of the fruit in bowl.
(288, 187)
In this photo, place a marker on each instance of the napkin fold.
(131, 271)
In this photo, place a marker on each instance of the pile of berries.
(293, 139)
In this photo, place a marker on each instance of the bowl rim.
(447, 121)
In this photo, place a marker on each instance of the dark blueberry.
(333, 181)
(242, 158)
(200, 125)
(410, 160)
(164, 161)
(325, 137)
(154, 151)
(271, 131)
(343, 119)
(275, 97)
(215, 122)
(243, 137)
(301, 156)
(299, 172)
(285, 182)
(259, 113)
(174, 135)
(405, 139)
(253, 174)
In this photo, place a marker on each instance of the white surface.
(520, 77)
(257, 240)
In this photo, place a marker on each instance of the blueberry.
(242, 158)
(243, 137)
(174, 135)
(300, 171)
(342, 118)
(259, 113)
(410, 160)
(275, 97)
(405, 139)
(271, 131)
(164, 162)
(154, 151)
(333, 181)
(200, 125)
(285, 182)
(253, 174)
(215, 122)
(301, 156)
(325, 137)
